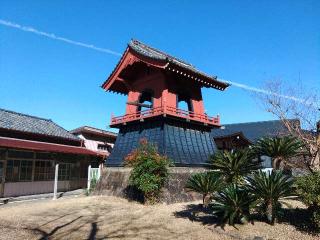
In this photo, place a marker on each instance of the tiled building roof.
(252, 130)
(140, 52)
(158, 55)
(93, 130)
(10, 120)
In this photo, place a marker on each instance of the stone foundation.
(114, 182)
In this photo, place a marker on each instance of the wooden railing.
(166, 110)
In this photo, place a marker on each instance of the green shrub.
(205, 183)
(150, 170)
(234, 166)
(269, 189)
(308, 188)
(232, 205)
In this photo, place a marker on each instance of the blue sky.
(248, 42)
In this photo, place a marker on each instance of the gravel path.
(115, 218)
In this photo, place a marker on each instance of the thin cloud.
(55, 37)
(108, 51)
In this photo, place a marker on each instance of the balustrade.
(153, 112)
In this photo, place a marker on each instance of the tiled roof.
(156, 54)
(93, 130)
(252, 130)
(30, 124)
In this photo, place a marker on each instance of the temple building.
(38, 156)
(241, 135)
(164, 105)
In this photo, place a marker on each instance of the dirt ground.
(100, 217)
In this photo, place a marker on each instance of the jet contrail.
(259, 90)
(55, 37)
(108, 51)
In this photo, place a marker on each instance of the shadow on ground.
(196, 213)
(98, 221)
(113, 218)
(297, 217)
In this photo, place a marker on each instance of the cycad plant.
(280, 149)
(206, 184)
(235, 165)
(232, 205)
(268, 189)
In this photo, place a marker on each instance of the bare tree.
(296, 103)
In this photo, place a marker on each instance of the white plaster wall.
(93, 144)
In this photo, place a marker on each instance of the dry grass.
(115, 218)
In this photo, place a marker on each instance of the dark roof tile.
(30, 124)
(156, 54)
(252, 130)
(93, 130)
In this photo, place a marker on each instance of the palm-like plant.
(206, 184)
(269, 189)
(232, 204)
(235, 165)
(280, 149)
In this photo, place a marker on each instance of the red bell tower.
(164, 94)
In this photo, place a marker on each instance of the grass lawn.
(115, 218)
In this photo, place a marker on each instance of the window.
(44, 170)
(1, 170)
(44, 155)
(20, 154)
(74, 171)
(2, 153)
(64, 171)
(103, 147)
(25, 170)
(12, 174)
(19, 170)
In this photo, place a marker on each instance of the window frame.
(48, 174)
(15, 160)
